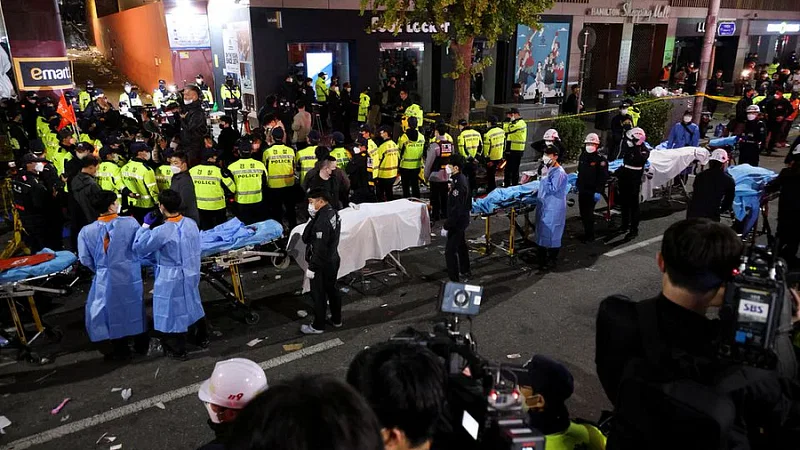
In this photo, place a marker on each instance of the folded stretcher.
(232, 244)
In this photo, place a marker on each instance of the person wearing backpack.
(684, 133)
(657, 359)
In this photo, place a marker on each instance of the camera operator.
(404, 383)
(657, 356)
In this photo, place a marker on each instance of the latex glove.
(309, 274)
(150, 218)
(443, 233)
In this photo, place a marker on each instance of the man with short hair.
(226, 141)
(211, 185)
(183, 184)
(436, 172)
(279, 159)
(84, 188)
(301, 123)
(193, 124)
(713, 189)
(412, 147)
(250, 178)
(459, 204)
(386, 162)
(516, 138)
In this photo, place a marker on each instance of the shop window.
(310, 58)
(406, 62)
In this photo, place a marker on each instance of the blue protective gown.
(551, 208)
(176, 292)
(115, 307)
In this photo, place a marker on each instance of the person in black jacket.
(777, 110)
(228, 135)
(741, 109)
(571, 104)
(321, 237)
(592, 175)
(360, 173)
(183, 184)
(32, 200)
(84, 188)
(456, 254)
(788, 183)
(713, 189)
(754, 133)
(193, 124)
(634, 156)
(620, 123)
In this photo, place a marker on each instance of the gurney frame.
(511, 250)
(392, 260)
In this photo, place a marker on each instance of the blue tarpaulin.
(750, 182)
(62, 261)
(501, 197)
(723, 142)
(233, 234)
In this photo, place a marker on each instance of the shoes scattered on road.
(308, 329)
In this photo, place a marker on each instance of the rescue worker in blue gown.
(115, 307)
(175, 246)
(551, 209)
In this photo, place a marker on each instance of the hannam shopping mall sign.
(43, 73)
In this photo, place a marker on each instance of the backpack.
(660, 406)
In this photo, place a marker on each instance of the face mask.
(81, 155)
(752, 116)
(147, 157)
(591, 149)
(118, 208)
(311, 210)
(687, 119)
(188, 101)
(173, 145)
(175, 170)
(229, 83)
(547, 160)
(198, 81)
(629, 142)
(128, 89)
(123, 109)
(623, 111)
(449, 170)
(348, 89)
(549, 143)
(38, 167)
(356, 150)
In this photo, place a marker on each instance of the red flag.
(67, 113)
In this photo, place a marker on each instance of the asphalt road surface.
(523, 313)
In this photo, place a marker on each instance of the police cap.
(338, 137)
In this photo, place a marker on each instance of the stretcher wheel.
(251, 318)
(281, 262)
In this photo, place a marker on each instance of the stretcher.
(371, 231)
(228, 246)
(19, 285)
(508, 203)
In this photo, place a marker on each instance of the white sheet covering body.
(371, 232)
(667, 164)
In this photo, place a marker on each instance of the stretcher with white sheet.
(371, 231)
(48, 273)
(232, 244)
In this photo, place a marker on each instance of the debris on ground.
(116, 447)
(4, 422)
(65, 418)
(302, 313)
(514, 356)
(58, 408)
(116, 389)
(156, 375)
(292, 347)
(160, 405)
(40, 379)
(277, 277)
(126, 394)
(345, 289)
(254, 342)
(217, 333)
(384, 305)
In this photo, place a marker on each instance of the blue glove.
(150, 218)
(597, 197)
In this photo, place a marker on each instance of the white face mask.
(591, 149)
(752, 116)
(175, 170)
(128, 89)
(147, 157)
(357, 150)
(118, 208)
(188, 101)
(348, 89)
(81, 155)
(623, 111)
(38, 167)
(549, 143)
(449, 170)
(198, 81)
(173, 145)
(547, 159)
(687, 119)
(311, 210)
(629, 142)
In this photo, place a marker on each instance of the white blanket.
(667, 164)
(371, 232)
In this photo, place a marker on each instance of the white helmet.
(719, 155)
(592, 138)
(753, 109)
(551, 135)
(636, 135)
(233, 384)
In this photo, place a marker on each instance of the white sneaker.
(308, 329)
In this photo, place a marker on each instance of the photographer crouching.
(667, 368)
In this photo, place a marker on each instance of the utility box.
(607, 99)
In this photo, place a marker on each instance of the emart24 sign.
(43, 73)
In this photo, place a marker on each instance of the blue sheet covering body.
(750, 182)
(501, 197)
(234, 234)
(63, 260)
(723, 142)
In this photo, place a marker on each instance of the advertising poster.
(541, 59)
(186, 34)
(319, 62)
(238, 53)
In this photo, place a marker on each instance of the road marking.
(126, 410)
(632, 247)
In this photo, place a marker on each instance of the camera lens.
(461, 299)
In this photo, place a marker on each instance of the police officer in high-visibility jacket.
(279, 161)
(164, 170)
(231, 98)
(208, 94)
(385, 161)
(85, 97)
(109, 175)
(494, 144)
(306, 157)
(140, 180)
(411, 145)
(210, 187)
(130, 97)
(363, 106)
(321, 91)
(250, 178)
(342, 155)
(160, 94)
(470, 143)
(516, 136)
(366, 131)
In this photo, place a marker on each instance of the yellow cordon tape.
(731, 100)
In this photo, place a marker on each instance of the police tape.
(731, 100)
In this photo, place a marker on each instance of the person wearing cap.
(233, 384)
(620, 123)
(788, 183)
(193, 124)
(321, 236)
(412, 147)
(342, 155)
(33, 202)
(160, 95)
(592, 176)
(436, 172)
(86, 95)
(359, 172)
(366, 131)
(211, 186)
(363, 106)
(301, 123)
(83, 189)
(250, 178)
(516, 136)
(551, 209)
(546, 385)
(175, 246)
(412, 109)
(115, 308)
(231, 97)
(753, 136)
(386, 160)
(306, 157)
(321, 92)
(494, 144)
(470, 145)
(140, 180)
(65, 151)
(459, 204)
(109, 174)
(207, 93)
(130, 97)
(713, 189)
(684, 133)
(777, 110)
(227, 141)
(634, 154)
(163, 169)
(279, 159)
(101, 111)
(19, 140)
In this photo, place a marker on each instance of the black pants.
(586, 205)
(775, 130)
(250, 213)
(456, 254)
(469, 171)
(749, 153)
(513, 160)
(438, 200)
(491, 172)
(630, 183)
(211, 218)
(788, 234)
(282, 204)
(139, 213)
(712, 106)
(547, 256)
(324, 293)
(410, 180)
(121, 348)
(175, 343)
(385, 187)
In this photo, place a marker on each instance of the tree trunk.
(461, 94)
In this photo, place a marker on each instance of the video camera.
(752, 309)
(483, 397)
